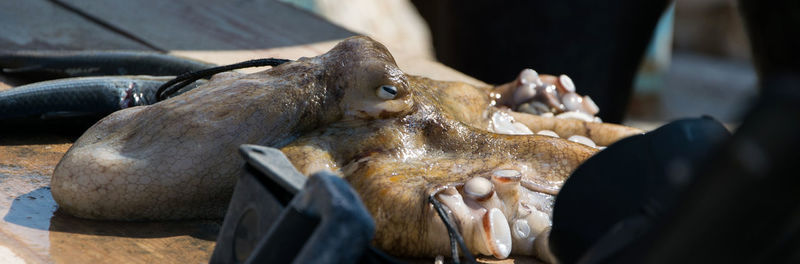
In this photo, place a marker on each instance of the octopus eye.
(387, 92)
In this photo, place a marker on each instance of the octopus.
(396, 138)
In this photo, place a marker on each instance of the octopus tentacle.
(397, 163)
(556, 107)
(396, 182)
(603, 134)
(380, 177)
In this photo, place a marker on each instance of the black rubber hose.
(79, 96)
(45, 65)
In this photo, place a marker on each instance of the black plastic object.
(84, 96)
(256, 204)
(744, 206)
(272, 220)
(742, 203)
(44, 65)
(620, 193)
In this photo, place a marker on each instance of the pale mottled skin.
(178, 159)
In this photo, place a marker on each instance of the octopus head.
(373, 86)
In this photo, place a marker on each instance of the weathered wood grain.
(213, 25)
(39, 24)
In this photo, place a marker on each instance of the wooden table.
(32, 229)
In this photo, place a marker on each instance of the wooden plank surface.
(31, 228)
(225, 32)
(213, 25)
(40, 24)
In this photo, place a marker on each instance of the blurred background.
(703, 68)
(696, 62)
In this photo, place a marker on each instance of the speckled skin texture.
(178, 159)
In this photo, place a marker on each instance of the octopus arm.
(603, 134)
(310, 155)
(522, 177)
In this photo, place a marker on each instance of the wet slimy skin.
(396, 138)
